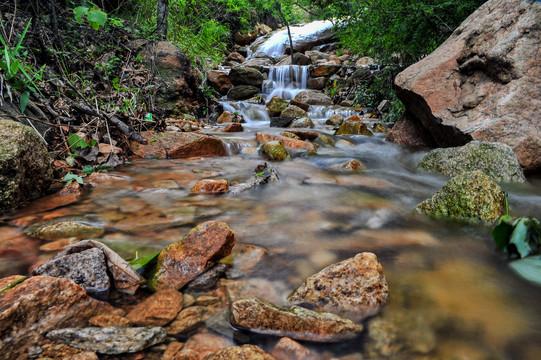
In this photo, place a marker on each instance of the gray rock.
(304, 122)
(242, 92)
(281, 121)
(25, 169)
(494, 159)
(256, 180)
(87, 268)
(312, 97)
(208, 279)
(109, 340)
(355, 288)
(246, 76)
(297, 323)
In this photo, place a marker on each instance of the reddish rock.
(177, 145)
(326, 69)
(297, 323)
(234, 127)
(483, 83)
(110, 320)
(235, 57)
(199, 250)
(245, 39)
(158, 309)
(290, 144)
(245, 258)
(172, 349)
(226, 117)
(244, 352)
(17, 251)
(304, 134)
(38, 305)
(201, 345)
(189, 318)
(408, 132)
(288, 349)
(210, 186)
(355, 288)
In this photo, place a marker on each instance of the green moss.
(274, 151)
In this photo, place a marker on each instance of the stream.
(452, 294)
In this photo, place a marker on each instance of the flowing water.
(452, 295)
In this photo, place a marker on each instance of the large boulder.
(242, 92)
(494, 159)
(276, 105)
(483, 83)
(25, 169)
(245, 76)
(219, 80)
(471, 197)
(175, 145)
(312, 97)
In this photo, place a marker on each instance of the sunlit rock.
(350, 127)
(177, 145)
(210, 186)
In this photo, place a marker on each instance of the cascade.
(286, 81)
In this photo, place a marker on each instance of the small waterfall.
(250, 112)
(286, 81)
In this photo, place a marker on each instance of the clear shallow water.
(451, 291)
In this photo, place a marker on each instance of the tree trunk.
(279, 7)
(161, 26)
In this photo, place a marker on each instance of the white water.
(277, 43)
(286, 81)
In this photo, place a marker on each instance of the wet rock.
(353, 166)
(290, 144)
(379, 128)
(110, 320)
(210, 186)
(235, 57)
(304, 134)
(326, 69)
(302, 105)
(246, 76)
(293, 111)
(274, 151)
(219, 80)
(349, 127)
(25, 169)
(315, 55)
(208, 279)
(17, 251)
(317, 83)
(494, 159)
(471, 197)
(153, 220)
(276, 105)
(38, 305)
(199, 346)
(355, 288)
(189, 319)
(158, 309)
(297, 323)
(124, 277)
(259, 63)
(244, 352)
(261, 177)
(304, 122)
(335, 120)
(177, 145)
(109, 340)
(87, 268)
(290, 135)
(245, 257)
(242, 92)
(484, 67)
(62, 228)
(184, 260)
(271, 291)
(229, 117)
(235, 127)
(312, 97)
(281, 121)
(288, 349)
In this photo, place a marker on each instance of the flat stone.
(313, 97)
(39, 305)
(199, 250)
(157, 310)
(297, 323)
(189, 319)
(245, 259)
(355, 288)
(177, 145)
(66, 228)
(110, 320)
(210, 186)
(290, 144)
(246, 351)
(326, 69)
(271, 291)
(87, 268)
(109, 340)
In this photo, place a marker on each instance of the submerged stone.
(199, 250)
(355, 288)
(110, 340)
(497, 160)
(297, 323)
(274, 151)
(62, 228)
(472, 197)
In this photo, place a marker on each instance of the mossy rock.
(25, 169)
(276, 105)
(274, 151)
(471, 197)
(349, 127)
(494, 159)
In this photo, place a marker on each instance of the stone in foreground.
(297, 323)
(199, 250)
(177, 145)
(25, 169)
(110, 340)
(355, 288)
(471, 197)
(494, 159)
(158, 309)
(274, 151)
(248, 352)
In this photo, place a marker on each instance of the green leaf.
(96, 18)
(145, 261)
(76, 142)
(25, 97)
(502, 231)
(528, 268)
(70, 177)
(15, 283)
(79, 12)
(519, 238)
(88, 169)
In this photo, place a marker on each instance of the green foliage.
(71, 177)
(76, 142)
(14, 283)
(94, 16)
(143, 263)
